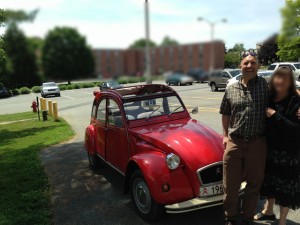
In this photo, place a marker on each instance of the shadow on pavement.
(80, 196)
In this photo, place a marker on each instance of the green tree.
(232, 59)
(21, 58)
(237, 48)
(141, 43)
(167, 42)
(17, 16)
(268, 50)
(2, 51)
(66, 55)
(289, 37)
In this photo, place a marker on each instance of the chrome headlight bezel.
(173, 161)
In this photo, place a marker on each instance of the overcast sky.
(117, 23)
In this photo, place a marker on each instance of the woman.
(282, 179)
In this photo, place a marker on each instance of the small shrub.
(25, 90)
(16, 91)
(76, 86)
(36, 89)
(70, 86)
(62, 87)
(87, 85)
(122, 81)
(97, 84)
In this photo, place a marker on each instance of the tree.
(167, 42)
(66, 55)
(21, 58)
(141, 43)
(2, 51)
(289, 37)
(267, 51)
(237, 48)
(232, 59)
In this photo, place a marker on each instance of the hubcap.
(141, 195)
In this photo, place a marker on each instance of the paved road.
(81, 196)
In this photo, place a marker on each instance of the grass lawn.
(24, 190)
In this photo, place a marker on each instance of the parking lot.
(80, 196)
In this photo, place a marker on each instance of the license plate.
(212, 190)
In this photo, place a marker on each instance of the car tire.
(94, 161)
(58, 95)
(213, 87)
(148, 209)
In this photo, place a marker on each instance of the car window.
(287, 65)
(297, 65)
(142, 109)
(225, 74)
(101, 111)
(234, 73)
(114, 114)
(272, 67)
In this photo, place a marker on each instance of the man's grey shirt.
(246, 107)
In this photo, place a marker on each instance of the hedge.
(16, 91)
(36, 89)
(25, 90)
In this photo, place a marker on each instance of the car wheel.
(58, 95)
(191, 83)
(146, 206)
(94, 161)
(213, 87)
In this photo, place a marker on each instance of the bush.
(122, 81)
(15, 91)
(25, 90)
(62, 87)
(87, 85)
(97, 84)
(36, 89)
(76, 86)
(70, 86)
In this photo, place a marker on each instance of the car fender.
(89, 139)
(156, 173)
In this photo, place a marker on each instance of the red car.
(170, 162)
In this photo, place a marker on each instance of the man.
(243, 118)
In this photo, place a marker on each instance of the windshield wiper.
(175, 110)
(152, 112)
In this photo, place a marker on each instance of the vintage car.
(170, 162)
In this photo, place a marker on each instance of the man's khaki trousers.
(244, 160)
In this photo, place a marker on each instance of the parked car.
(218, 79)
(170, 162)
(50, 88)
(179, 79)
(265, 74)
(198, 75)
(4, 92)
(295, 66)
(112, 84)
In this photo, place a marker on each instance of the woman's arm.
(286, 123)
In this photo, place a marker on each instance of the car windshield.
(147, 108)
(49, 84)
(272, 67)
(234, 73)
(297, 65)
(113, 83)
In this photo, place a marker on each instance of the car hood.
(195, 144)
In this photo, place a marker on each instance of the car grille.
(51, 89)
(212, 173)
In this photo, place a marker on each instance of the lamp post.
(147, 72)
(212, 51)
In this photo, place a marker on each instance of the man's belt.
(247, 137)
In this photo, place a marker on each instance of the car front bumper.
(51, 92)
(199, 203)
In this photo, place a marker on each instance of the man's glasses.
(249, 53)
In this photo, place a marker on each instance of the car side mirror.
(195, 110)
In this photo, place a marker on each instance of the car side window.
(272, 67)
(101, 111)
(225, 74)
(287, 65)
(114, 114)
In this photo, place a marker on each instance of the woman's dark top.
(282, 180)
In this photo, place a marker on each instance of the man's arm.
(225, 124)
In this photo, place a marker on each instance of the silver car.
(50, 88)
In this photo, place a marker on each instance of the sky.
(117, 23)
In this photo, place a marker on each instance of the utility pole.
(147, 73)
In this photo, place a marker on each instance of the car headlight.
(173, 161)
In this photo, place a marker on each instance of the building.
(117, 62)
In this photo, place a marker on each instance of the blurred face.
(249, 66)
(282, 82)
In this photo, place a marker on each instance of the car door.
(225, 77)
(117, 153)
(100, 127)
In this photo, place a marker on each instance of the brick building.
(117, 62)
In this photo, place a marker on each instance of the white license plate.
(212, 190)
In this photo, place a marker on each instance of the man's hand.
(270, 112)
(298, 114)
(225, 142)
